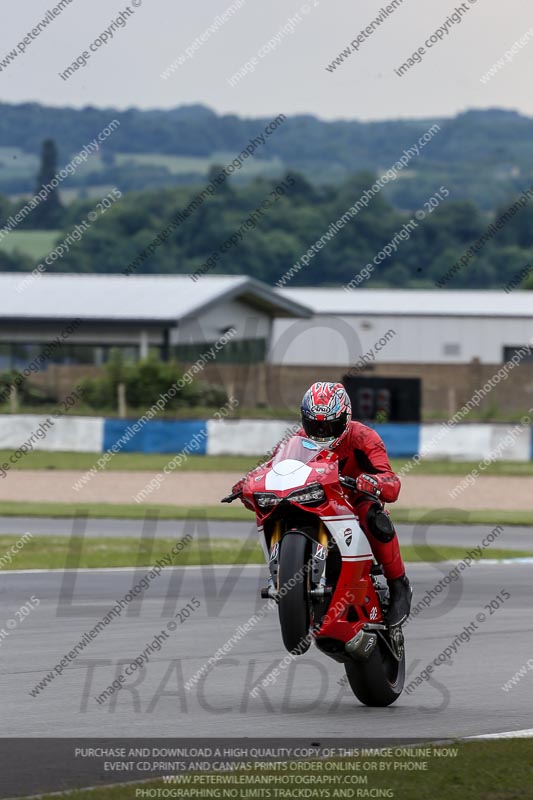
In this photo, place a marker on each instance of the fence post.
(14, 398)
(121, 395)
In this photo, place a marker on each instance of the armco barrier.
(247, 437)
(466, 442)
(474, 442)
(70, 434)
(255, 437)
(156, 436)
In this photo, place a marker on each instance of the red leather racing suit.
(362, 452)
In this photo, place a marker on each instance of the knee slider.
(380, 524)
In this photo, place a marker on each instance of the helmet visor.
(325, 430)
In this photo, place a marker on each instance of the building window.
(18, 355)
(237, 351)
(520, 351)
(452, 349)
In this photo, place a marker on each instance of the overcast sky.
(292, 79)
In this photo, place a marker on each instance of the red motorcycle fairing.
(300, 464)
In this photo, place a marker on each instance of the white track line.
(146, 567)
(525, 734)
(481, 562)
(492, 561)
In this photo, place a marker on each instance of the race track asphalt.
(512, 537)
(464, 696)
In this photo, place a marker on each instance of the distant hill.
(484, 156)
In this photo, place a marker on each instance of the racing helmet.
(326, 413)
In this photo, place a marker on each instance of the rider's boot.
(400, 600)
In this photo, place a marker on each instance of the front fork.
(318, 563)
(271, 591)
(363, 644)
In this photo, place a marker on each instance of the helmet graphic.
(326, 413)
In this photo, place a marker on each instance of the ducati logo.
(348, 536)
(373, 613)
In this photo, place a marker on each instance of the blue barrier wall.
(156, 436)
(402, 440)
(468, 441)
(169, 436)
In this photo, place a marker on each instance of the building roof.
(167, 299)
(414, 302)
(148, 298)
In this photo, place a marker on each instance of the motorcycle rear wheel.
(379, 680)
(293, 606)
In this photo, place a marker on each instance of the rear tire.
(379, 680)
(293, 607)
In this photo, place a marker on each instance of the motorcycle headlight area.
(309, 494)
(265, 500)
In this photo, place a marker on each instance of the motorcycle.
(322, 573)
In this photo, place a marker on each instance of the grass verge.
(128, 462)
(58, 552)
(148, 462)
(234, 512)
(237, 512)
(501, 770)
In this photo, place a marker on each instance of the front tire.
(379, 680)
(293, 606)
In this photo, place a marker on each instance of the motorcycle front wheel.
(293, 605)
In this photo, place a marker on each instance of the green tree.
(146, 381)
(49, 213)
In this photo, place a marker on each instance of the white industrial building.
(430, 327)
(294, 326)
(171, 314)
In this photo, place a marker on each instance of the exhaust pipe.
(362, 645)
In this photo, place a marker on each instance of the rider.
(327, 420)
